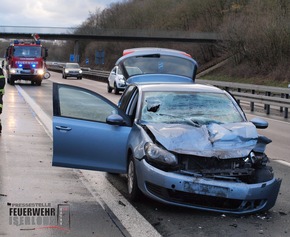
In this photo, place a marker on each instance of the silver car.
(72, 70)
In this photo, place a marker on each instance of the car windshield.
(27, 51)
(195, 108)
(159, 64)
(72, 65)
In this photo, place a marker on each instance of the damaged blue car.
(179, 143)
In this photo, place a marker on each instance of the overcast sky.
(52, 13)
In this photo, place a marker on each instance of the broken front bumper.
(204, 193)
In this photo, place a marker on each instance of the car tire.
(12, 82)
(132, 184)
(109, 88)
(116, 89)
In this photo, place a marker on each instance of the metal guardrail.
(265, 95)
(98, 75)
(254, 94)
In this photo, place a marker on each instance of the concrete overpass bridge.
(62, 33)
(77, 34)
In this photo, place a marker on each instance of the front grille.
(213, 166)
(199, 200)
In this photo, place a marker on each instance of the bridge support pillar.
(76, 51)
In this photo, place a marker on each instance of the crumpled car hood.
(224, 141)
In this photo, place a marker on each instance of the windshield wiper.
(187, 120)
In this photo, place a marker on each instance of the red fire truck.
(26, 61)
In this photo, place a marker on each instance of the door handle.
(62, 128)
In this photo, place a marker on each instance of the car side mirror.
(259, 123)
(115, 119)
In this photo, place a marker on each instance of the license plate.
(210, 190)
(25, 71)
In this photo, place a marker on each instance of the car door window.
(81, 104)
(126, 97)
(81, 137)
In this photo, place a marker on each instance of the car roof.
(178, 87)
(71, 64)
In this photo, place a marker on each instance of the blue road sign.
(100, 57)
(71, 57)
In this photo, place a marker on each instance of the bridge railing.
(271, 100)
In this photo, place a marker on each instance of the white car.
(116, 81)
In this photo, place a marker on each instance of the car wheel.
(116, 89)
(109, 88)
(12, 82)
(132, 185)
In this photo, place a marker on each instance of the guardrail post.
(286, 109)
(252, 103)
(267, 106)
(239, 90)
(281, 108)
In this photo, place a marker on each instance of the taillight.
(186, 54)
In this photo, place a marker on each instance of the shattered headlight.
(159, 156)
(256, 159)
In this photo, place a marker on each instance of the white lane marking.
(283, 162)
